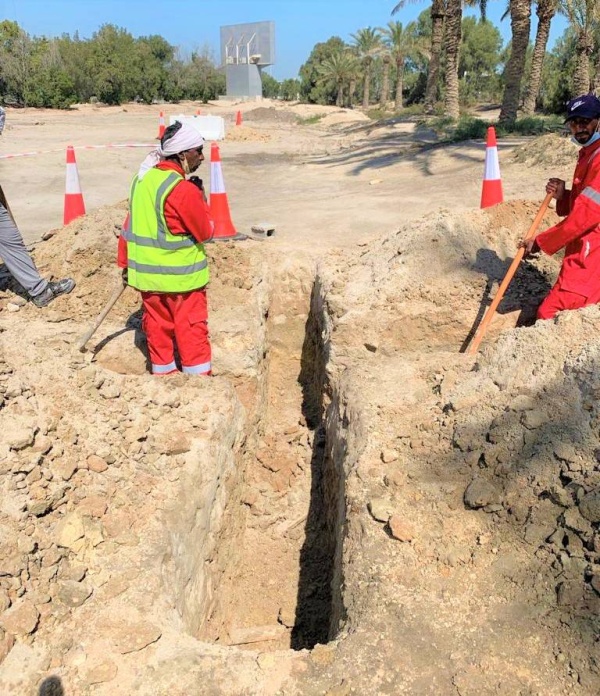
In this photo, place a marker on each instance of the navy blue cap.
(585, 106)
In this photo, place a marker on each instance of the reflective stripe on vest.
(157, 260)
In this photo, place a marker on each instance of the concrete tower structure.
(245, 50)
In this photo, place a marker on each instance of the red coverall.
(178, 316)
(578, 283)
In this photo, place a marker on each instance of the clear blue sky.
(193, 24)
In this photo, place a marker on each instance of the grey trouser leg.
(16, 257)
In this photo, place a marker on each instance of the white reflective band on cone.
(72, 182)
(492, 166)
(217, 185)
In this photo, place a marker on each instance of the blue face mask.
(594, 139)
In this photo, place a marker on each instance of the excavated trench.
(257, 562)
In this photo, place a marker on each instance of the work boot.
(60, 287)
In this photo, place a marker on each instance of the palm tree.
(545, 10)
(368, 45)
(583, 15)
(438, 14)
(453, 37)
(338, 69)
(520, 22)
(596, 80)
(400, 42)
(386, 59)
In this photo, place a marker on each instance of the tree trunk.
(546, 9)
(520, 22)
(437, 35)
(596, 80)
(399, 83)
(385, 82)
(367, 85)
(351, 91)
(581, 79)
(339, 102)
(453, 36)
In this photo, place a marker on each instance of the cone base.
(237, 237)
(491, 193)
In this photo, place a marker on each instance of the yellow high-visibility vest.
(157, 260)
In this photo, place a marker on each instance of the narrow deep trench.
(278, 591)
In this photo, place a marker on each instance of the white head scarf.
(186, 138)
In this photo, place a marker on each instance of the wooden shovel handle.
(507, 278)
(118, 291)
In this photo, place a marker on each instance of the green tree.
(583, 16)
(76, 57)
(437, 14)
(153, 55)
(368, 45)
(113, 64)
(402, 42)
(337, 71)
(198, 78)
(312, 89)
(479, 58)
(15, 61)
(270, 86)
(49, 84)
(545, 10)
(290, 89)
(557, 73)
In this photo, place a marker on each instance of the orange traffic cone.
(491, 193)
(74, 206)
(238, 118)
(219, 207)
(161, 125)
(198, 112)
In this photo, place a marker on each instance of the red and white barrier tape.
(34, 153)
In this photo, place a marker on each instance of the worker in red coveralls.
(578, 283)
(161, 251)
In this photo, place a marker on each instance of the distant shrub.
(530, 125)
(473, 128)
(310, 120)
(469, 128)
(377, 114)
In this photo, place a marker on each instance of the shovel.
(480, 333)
(118, 291)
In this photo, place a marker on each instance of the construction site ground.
(351, 504)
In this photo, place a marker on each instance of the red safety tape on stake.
(34, 153)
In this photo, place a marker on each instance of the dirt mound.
(547, 150)
(245, 133)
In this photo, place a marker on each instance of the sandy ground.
(351, 505)
(340, 181)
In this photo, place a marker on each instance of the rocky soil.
(351, 505)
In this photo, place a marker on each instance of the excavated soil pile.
(547, 150)
(245, 133)
(351, 506)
